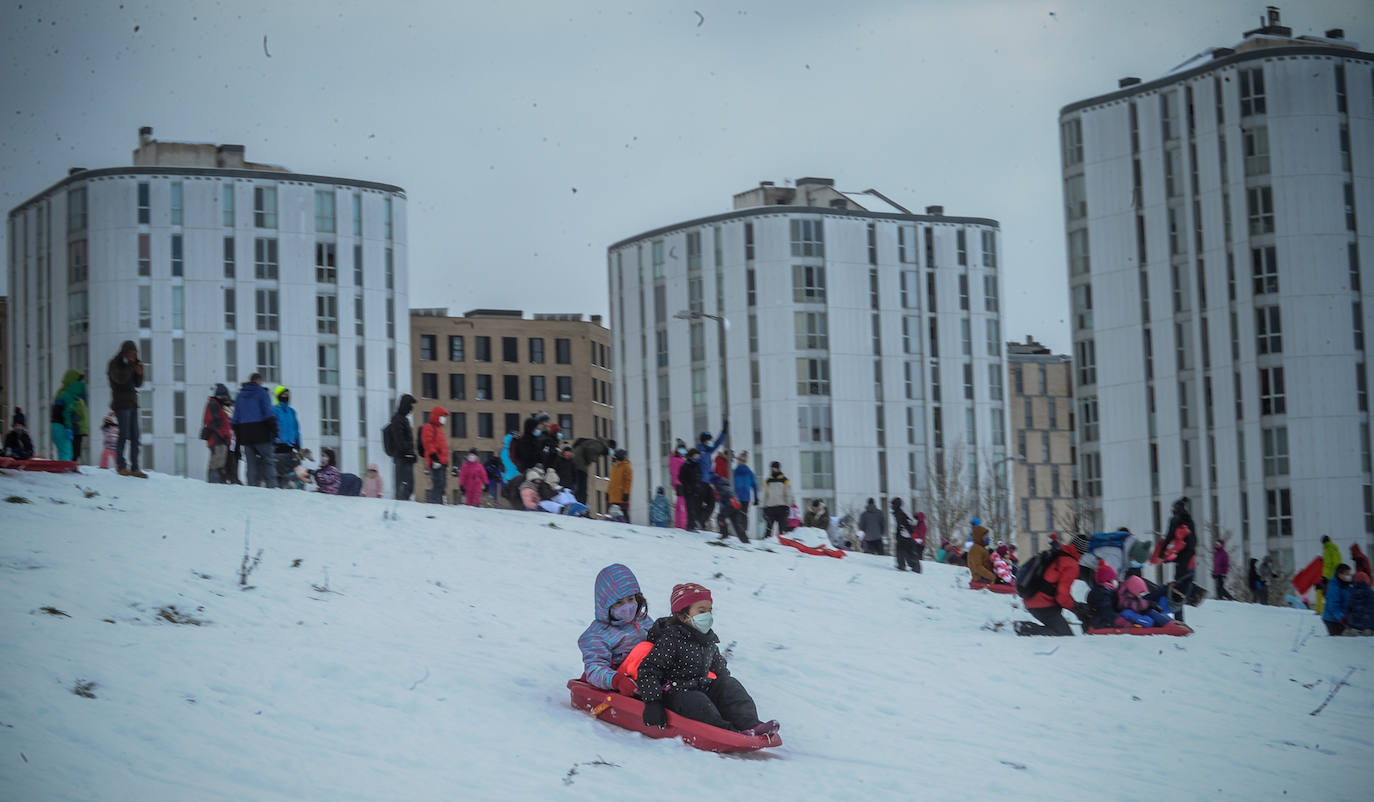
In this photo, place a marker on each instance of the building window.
(359, 322)
(1349, 207)
(265, 258)
(1265, 266)
(1272, 400)
(357, 215)
(808, 238)
(1173, 179)
(1279, 512)
(177, 204)
(808, 283)
(1357, 316)
(537, 392)
(324, 211)
(1268, 331)
(1075, 198)
(427, 347)
(1251, 91)
(328, 363)
(178, 308)
(966, 337)
(329, 415)
(1086, 352)
(812, 330)
(455, 348)
(696, 339)
(510, 349)
(231, 317)
(1078, 252)
(1168, 115)
(327, 314)
(1071, 136)
(564, 388)
(990, 293)
(1260, 207)
(961, 247)
(1275, 442)
(144, 202)
(178, 256)
(389, 228)
(267, 312)
(484, 424)
(360, 366)
(698, 387)
(906, 244)
(817, 469)
(813, 423)
(230, 263)
(989, 249)
(269, 361)
(995, 381)
(693, 250)
(661, 347)
(510, 388)
(457, 387)
(968, 381)
(813, 377)
(326, 263)
(562, 350)
(145, 254)
(1256, 144)
(483, 349)
(265, 207)
(429, 385)
(536, 345)
(483, 387)
(228, 204)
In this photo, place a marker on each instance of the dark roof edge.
(758, 211)
(210, 171)
(1214, 64)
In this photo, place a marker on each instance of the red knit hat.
(685, 596)
(1105, 574)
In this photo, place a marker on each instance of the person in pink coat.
(675, 461)
(372, 483)
(472, 478)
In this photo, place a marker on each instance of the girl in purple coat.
(1221, 566)
(620, 624)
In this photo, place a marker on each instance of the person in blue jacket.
(746, 486)
(255, 427)
(288, 435)
(1337, 600)
(706, 449)
(621, 622)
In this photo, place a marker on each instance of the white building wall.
(113, 287)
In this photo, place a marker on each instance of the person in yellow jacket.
(622, 477)
(1331, 557)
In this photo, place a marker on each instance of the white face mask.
(442, 420)
(472, 458)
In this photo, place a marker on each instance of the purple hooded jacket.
(1221, 561)
(605, 644)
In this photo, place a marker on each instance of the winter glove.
(624, 684)
(655, 715)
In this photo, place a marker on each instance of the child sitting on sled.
(1140, 606)
(1101, 599)
(620, 624)
(686, 673)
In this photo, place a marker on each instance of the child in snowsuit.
(686, 673)
(660, 510)
(1134, 599)
(109, 438)
(1101, 599)
(1001, 567)
(620, 623)
(1337, 599)
(372, 482)
(472, 478)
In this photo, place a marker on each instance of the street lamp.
(723, 324)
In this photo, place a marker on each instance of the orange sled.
(816, 550)
(1171, 628)
(628, 712)
(40, 465)
(992, 586)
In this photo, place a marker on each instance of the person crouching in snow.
(1048, 604)
(620, 624)
(472, 479)
(686, 673)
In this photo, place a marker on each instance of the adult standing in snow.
(675, 461)
(215, 431)
(125, 374)
(1331, 557)
(255, 427)
(873, 525)
(707, 449)
(622, 479)
(693, 488)
(777, 500)
(746, 487)
(288, 444)
(69, 416)
(1053, 597)
(434, 447)
(402, 448)
(1221, 566)
(1180, 548)
(901, 537)
(472, 479)
(1259, 584)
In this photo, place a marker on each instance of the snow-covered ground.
(425, 658)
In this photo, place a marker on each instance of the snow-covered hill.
(424, 658)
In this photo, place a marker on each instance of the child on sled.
(620, 624)
(686, 673)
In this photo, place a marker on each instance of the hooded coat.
(433, 441)
(124, 379)
(622, 477)
(605, 643)
(405, 441)
(472, 476)
(918, 532)
(372, 483)
(980, 563)
(508, 469)
(873, 523)
(288, 427)
(1061, 574)
(254, 420)
(1221, 560)
(777, 490)
(1182, 545)
(587, 450)
(1359, 560)
(746, 485)
(1331, 557)
(73, 397)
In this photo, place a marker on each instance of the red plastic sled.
(40, 465)
(992, 586)
(1307, 577)
(628, 712)
(1171, 628)
(816, 550)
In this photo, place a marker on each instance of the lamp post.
(722, 324)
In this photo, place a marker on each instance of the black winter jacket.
(1181, 517)
(405, 438)
(679, 661)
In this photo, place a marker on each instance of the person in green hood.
(70, 423)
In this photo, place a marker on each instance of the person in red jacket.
(215, 431)
(1048, 605)
(434, 448)
(472, 478)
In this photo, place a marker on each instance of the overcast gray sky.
(490, 114)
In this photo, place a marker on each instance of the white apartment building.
(1219, 222)
(218, 268)
(862, 343)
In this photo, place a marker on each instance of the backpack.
(1030, 579)
(389, 444)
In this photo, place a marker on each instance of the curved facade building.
(1219, 223)
(218, 268)
(862, 344)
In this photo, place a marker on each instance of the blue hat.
(976, 522)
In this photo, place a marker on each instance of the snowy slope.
(425, 659)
